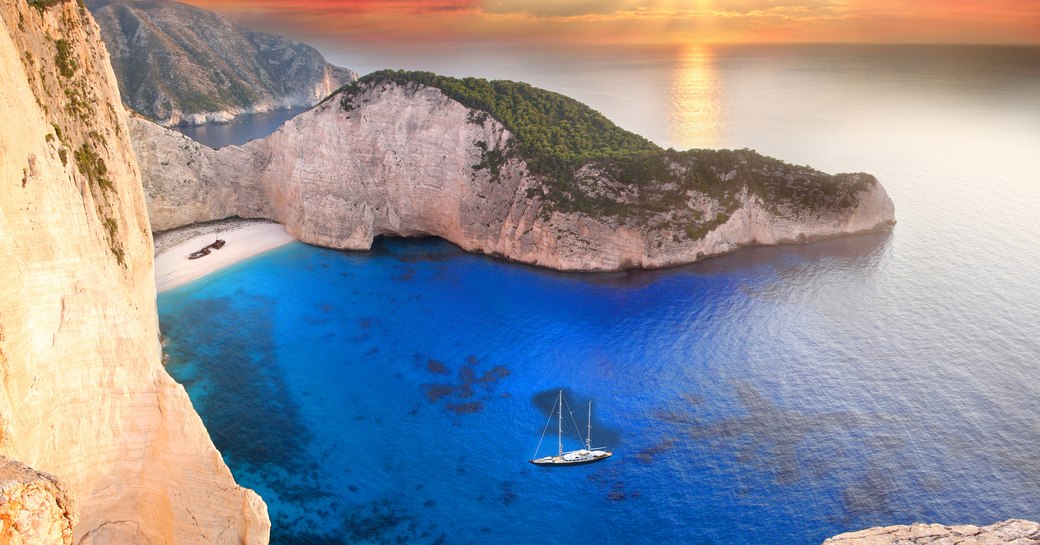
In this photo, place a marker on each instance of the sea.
(774, 395)
(242, 129)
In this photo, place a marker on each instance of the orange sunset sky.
(654, 21)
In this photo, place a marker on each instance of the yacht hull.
(557, 461)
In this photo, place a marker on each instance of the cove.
(775, 395)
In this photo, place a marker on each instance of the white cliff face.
(84, 396)
(195, 185)
(402, 162)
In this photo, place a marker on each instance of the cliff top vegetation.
(575, 149)
(547, 125)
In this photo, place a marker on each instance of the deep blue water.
(777, 395)
(243, 129)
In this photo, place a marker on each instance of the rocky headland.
(503, 169)
(85, 402)
(183, 65)
(1009, 532)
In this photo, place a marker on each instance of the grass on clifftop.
(637, 181)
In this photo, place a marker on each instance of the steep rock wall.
(405, 160)
(83, 395)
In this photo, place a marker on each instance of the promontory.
(499, 168)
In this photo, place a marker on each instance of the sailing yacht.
(586, 455)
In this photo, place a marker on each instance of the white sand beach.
(244, 239)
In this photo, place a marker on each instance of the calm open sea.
(777, 395)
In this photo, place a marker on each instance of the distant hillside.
(184, 65)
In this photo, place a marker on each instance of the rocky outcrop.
(407, 160)
(83, 395)
(35, 509)
(180, 64)
(1010, 532)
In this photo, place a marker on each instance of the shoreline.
(244, 239)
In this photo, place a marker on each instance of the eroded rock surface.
(1009, 532)
(35, 509)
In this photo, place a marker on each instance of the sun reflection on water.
(694, 102)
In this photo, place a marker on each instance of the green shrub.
(44, 4)
(490, 159)
(112, 227)
(117, 251)
(195, 103)
(63, 58)
(91, 165)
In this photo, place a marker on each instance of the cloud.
(643, 21)
(659, 8)
(560, 8)
(756, 6)
(342, 6)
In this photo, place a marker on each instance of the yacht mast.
(560, 427)
(588, 434)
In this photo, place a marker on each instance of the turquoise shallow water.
(776, 395)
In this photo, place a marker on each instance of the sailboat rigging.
(586, 455)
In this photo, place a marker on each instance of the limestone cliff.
(1010, 532)
(406, 160)
(180, 64)
(83, 395)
